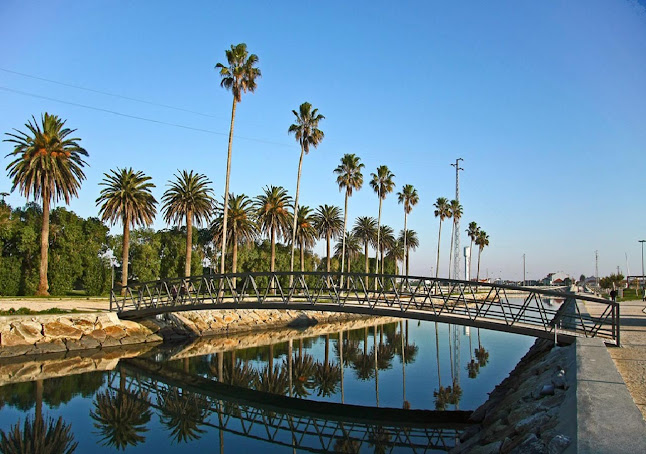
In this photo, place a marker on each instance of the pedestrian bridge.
(530, 311)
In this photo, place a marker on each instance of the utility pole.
(524, 280)
(456, 223)
(642, 278)
(596, 267)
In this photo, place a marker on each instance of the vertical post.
(618, 324)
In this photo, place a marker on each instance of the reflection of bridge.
(303, 424)
(490, 306)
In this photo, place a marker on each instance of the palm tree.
(328, 224)
(242, 229)
(412, 242)
(365, 229)
(48, 164)
(349, 176)
(126, 197)
(481, 241)
(307, 133)
(352, 247)
(327, 376)
(239, 76)
(456, 214)
(442, 211)
(382, 183)
(273, 216)
(183, 412)
(409, 197)
(39, 436)
(472, 231)
(396, 253)
(305, 232)
(191, 198)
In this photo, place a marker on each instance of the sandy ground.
(41, 304)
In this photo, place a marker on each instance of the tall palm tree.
(242, 229)
(472, 231)
(365, 228)
(47, 163)
(238, 75)
(328, 224)
(442, 211)
(188, 197)
(126, 197)
(482, 241)
(409, 197)
(396, 253)
(412, 242)
(305, 232)
(352, 247)
(387, 242)
(307, 133)
(349, 176)
(272, 214)
(456, 214)
(382, 183)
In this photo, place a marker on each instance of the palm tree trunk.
(437, 352)
(470, 255)
(302, 255)
(270, 362)
(345, 221)
(124, 254)
(367, 263)
(290, 360)
(439, 237)
(451, 250)
(405, 239)
(235, 254)
(43, 285)
(328, 264)
(378, 238)
(226, 189)
(298, 185)
(39, 402)
(341, 362)
(401, 334)
(189, 243)
(376, 368)
(478, 274)
(273, 249)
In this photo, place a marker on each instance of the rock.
(547, 390)
(30, 331)
(56, 330)
(302, 321)
(114, 332)
(98, 335)
(469, 432)
(558, 444)
(559, 380)
(491, 448)
(531, 423)
(17, 350)
(84, 343)
(12, 339)
(53, 346)
(530, 445)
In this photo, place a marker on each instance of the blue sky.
(545, 102)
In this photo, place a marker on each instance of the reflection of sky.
(421, 380)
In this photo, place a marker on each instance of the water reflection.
(285, 388)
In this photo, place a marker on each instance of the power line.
(135, 117)
(91, 90)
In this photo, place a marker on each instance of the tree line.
(48, 165)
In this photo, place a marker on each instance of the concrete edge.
(607, 418)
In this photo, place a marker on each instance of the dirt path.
(41, 304)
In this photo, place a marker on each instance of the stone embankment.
(42, 334)
(533, 410)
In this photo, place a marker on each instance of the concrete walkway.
(630, 359)
(41, 304)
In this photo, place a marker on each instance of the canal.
(392, 376)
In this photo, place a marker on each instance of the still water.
(210, 395)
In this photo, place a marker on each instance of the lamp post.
(642, 278)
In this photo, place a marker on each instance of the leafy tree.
(382, 183)
(456, 214)
(614, 280)
(126, 197)
(190, 198)
(145, 255)
(442, 211)
(273, 215)
(328, 224)
(238, 75)
(349, 176)
(47, 163)
(409, 198)
(307, 133)
(365, 228)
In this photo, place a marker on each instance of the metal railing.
(524, 310)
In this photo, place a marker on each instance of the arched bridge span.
(523, 310)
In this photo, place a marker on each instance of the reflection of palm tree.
(347, 444)
(473, 368)
(38, 436)
(121, 419)
(482, 355)
(379, 438)
(327, 376)
(273, 380)
(303, 375)
(363, 364)
(183, 413)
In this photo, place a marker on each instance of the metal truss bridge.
(523, 310)
(306, 425)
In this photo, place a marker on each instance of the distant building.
(558, 278)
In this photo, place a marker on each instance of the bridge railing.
(527, 310)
